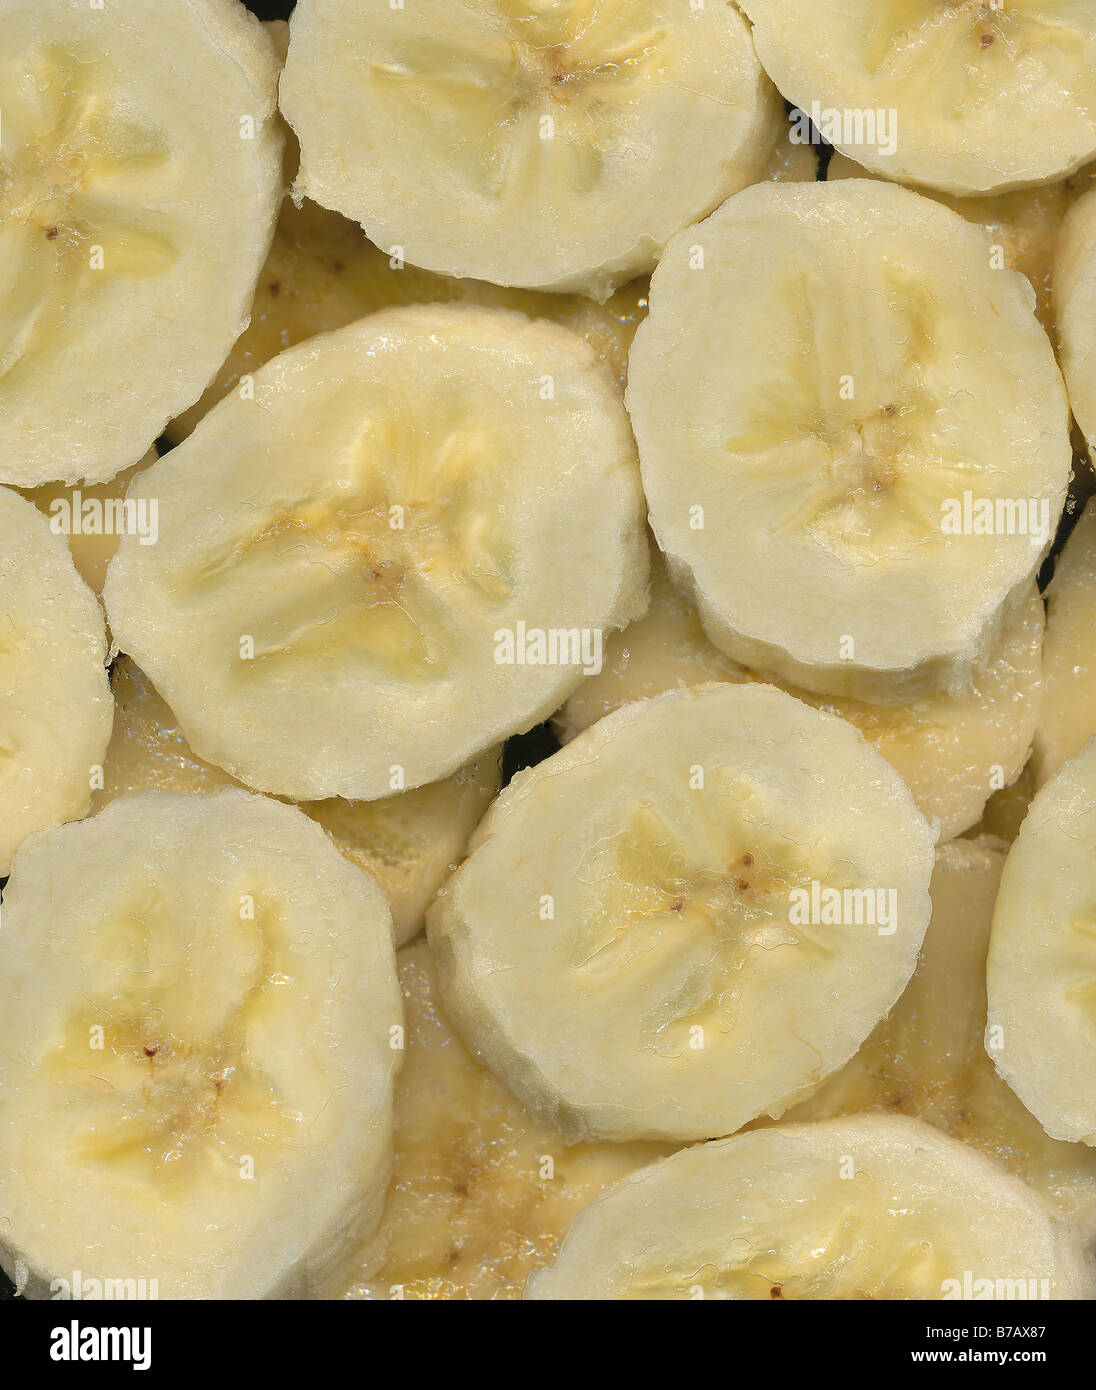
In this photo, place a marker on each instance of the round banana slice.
(923, 91)
(1042, 957)
(928, 1059)
(1073, 286)
(140, 176)
(1068, 717)
(879, 1207)
(690, 915)
(566, 143)
(841, 467)
(196, 1051)
(404, 548)
(55, 703)
(952, 751)
(409, 842)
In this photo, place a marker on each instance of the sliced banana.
(406, 547)
(879, 1207)
(409, 842)
(952, 751)
(93, 517)
(137, 202)
(322, 274)
(927, 1058)
(55, 702)
(482, 1192)
(1074, 294)
(1068, 718)
(924, 91)
(690, 915)
(840, 465)
(198, 1045)
(1042, 957)
(566, 142)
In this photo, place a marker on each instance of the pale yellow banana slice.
(200, 1033)
(952, 751)
(1042, 957)
(968, 96)
(687, 917)
(140, 173)
(1068, 717)
(876, 1207)
(841, 466)
(409, 842)
(482, 1192)
(536, 143)
(927, 1058)
(55, 702)
(1074, 294)
(404, 548)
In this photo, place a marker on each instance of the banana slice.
(1005, 810)
(410, 842)
(1042, 957)
(406, 547)
(566, 142)
(951, 750)
(482, 1192)
(927, 1058)
(1068, 718)
(55, 703)
(93, 517)
(923, 91)
(690, 915)
(1074, 294)
(322, 274)
(839, 464)
(140, 176)
(195, 1051)
(875, 1208)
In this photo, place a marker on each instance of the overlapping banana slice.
(878, 1207)
(405, 547)
(55, 703)
(952, 751)
(1041, 972)
(137, 202)
(1074, 295)
(925, 91)
(927, 1058)
(840, 467)
(687, 917)
(567, 142)
(409, 842)
(1068, 717)
(198, 1041)
(482, 1192)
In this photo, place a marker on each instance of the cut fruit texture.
(137, 202)
(840, 468)
(928, 1059)
(482, 1192)
(1042, 957)
(1068, 717)
(876, 1207)
(198, 1046)
(566, 142)
(343, 558)
(55, 702)
(922, 91)
(687, 917)
(409, 842)
(1005, 810)
(1023, 226)
(951, 750)
(1074, 296)
(88, 514)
